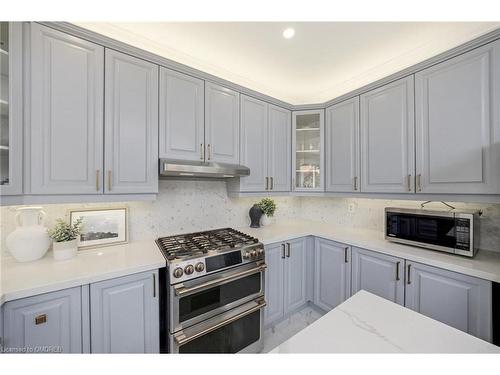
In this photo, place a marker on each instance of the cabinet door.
(125, 314)
(253, 144)
(295, 274)
(131, 150)
(49, 322)
(342, 146)
(458, 124)
(279, 146)
(458, 300)
(182, 127)
(222, 124)
(332, 273)
(65, 121)
(275, 256)
(387, 140)
(379, 274)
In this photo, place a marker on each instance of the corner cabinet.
(222, 124)
(125, 314)
(332, 273)
(308, 151)
(342, 147)
(131, 124)
(265, 146)
(64, 123)
(458, 124)
(387, 138)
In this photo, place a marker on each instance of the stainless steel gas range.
(212, 293)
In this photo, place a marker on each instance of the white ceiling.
(324, 59)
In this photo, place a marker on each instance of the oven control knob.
(260, 251)
(178, 272)
(253, 253)
(199, 267)
(189, 269)
(246, 255)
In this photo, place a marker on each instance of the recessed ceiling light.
(288, 33)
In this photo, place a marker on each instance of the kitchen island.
(366, 323)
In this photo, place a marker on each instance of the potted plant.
(65, 236)
(268, 206)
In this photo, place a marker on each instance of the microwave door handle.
(181, 338)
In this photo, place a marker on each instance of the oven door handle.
(181, 290)
(181, 338)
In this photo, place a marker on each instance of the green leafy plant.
(267, 206)
(64, 231)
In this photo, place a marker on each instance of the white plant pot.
(265, 220)
(65, 250)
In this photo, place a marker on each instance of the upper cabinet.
(11, 110)
(265, 146)
(307, 158)
(387, 138)
(222, 124)
(131, 129)
(182, 124)
(458, 124)
(64, 124)
(342, 147)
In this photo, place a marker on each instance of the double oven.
(219, 312)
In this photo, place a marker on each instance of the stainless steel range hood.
(182, 168)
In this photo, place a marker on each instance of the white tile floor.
(282, 331)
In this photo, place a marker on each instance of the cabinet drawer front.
(46, 323)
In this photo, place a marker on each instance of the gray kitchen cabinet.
(274, 279)
(182, 124)
(49, 322)
(265, 145)
(64, 123)
(125, 314)
(380, 274)
(286, 279)
(332, 273)
(458, 124)
(460, 301)
(387, 138)
(222, 124)
(11, 108)
(131, 125)
(342, 147)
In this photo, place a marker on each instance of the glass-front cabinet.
(10, 108)
(308, 150)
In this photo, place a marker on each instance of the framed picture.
(102, 227)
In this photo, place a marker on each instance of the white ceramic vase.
(30, 240)
(265, 220)
(65, 250)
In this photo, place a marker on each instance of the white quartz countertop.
(366, 323)
(19, 280)
(485, 265)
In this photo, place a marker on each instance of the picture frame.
(101, 226)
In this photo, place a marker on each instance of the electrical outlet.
(351, 207)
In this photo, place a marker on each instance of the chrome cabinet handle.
(41, 319)
(109, 180)
(181, 290)
(408, 182)
(267, 183)
(408, 280)
(345, 254)
(202, 151)
(272, 183)
(355, 183)
(209, 149)
(97, 185)
(282, 251)
(419, 186)
(397, 270)
(288, 249)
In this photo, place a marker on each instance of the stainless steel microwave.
(448, 231)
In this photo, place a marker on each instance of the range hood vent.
(183, 168)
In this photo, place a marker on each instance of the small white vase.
(265, 220)
(30, 240)
(65, 250)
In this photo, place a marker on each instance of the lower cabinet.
(286, 278)
(124, 314)
(460, 301)
(48, 323)
(380, 274)
(332, 276)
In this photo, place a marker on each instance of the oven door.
(237, 330)
(196, 300)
